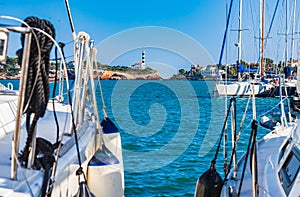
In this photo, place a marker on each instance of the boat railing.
(84, 88)
(28, 34)
(25, 62)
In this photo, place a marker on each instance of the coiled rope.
(37, 86)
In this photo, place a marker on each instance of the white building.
(140, 65)
(209, 72)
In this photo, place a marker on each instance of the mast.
(239, 37)
(286, 33)
(298, 71)
(70, 20)
(225, 105)
(262, 35)
(293, 31)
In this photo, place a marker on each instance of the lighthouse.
(143, 60)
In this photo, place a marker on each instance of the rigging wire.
(254, 27)
(224, 38)
(272, 21)
(237, 139)
(254, 126)
(225, 106)
(223, 129)
(70, 20)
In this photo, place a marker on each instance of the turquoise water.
(168, 108)
(169, 132)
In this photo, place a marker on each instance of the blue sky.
(202, 21)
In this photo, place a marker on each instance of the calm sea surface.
(169, 131)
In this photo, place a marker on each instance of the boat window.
(290, 170)
(2, 47)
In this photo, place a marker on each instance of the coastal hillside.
(11, 70)
(129, 73)
(111, 75)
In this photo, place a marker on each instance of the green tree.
(181, 71)
(269, 61)
(11, 60)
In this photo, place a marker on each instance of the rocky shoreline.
(113, 75)
(106, 75)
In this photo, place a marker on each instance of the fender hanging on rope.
(209, 183)
(83, 190)
(108, 126)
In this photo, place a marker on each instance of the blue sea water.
(170, 130)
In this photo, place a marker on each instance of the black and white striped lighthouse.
(143, 60)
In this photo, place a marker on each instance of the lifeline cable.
(223, 129)
(254, 126)
(224, 38)
(102, 98)
(236, 141)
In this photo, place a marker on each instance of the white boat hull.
(107, 180)
(277, 154)
(244, 89)
(66, 181)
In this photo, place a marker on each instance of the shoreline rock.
(116, 75)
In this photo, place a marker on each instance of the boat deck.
(268, 153)
(46, 129)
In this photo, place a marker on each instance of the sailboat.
(249, 86)
(55, 147)
(268, 167)
(289, 84)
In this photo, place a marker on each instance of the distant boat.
(270, 166)
(288, 88)
(246, 88)
(258, 87)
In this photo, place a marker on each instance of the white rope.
(253, 103)
(100, 86)
(272, 109)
